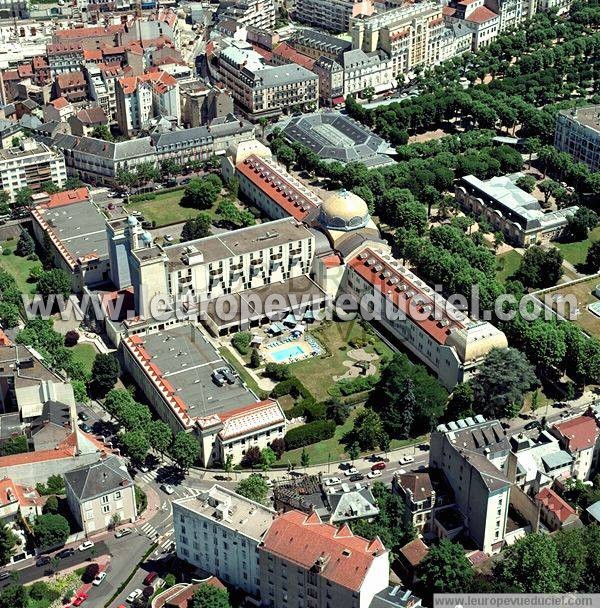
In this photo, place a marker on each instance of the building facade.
(578, 133)
(332, 15)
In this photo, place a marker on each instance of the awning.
(337, 100)
(256, 340)
(309, 315)
(290, 320)
(299, 328)
(276, 328)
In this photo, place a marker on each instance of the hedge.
(138, 198)
(312, 432)
(356, 385)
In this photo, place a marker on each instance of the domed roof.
(476, 340)
(147, 237)
(344, 210)
(132, 221)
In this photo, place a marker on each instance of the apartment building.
(471, 454)
(305, 562)
(101, 495)
(579, 436)
(445, 339)
(193, 389)
(64, 57)
(98, 89)
(220, 532)
(72, 86)
(510, 210)
(410, 35)
(578, 133)
(140, 98)
(332, 15)
(59, 110)
(263, 90)
(29, 165)
(248, 13)
(201, 103)
(476, 16)
(74, 229)
(318, 44)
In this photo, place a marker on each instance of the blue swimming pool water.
(287, 353)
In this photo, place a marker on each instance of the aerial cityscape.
(299, 303)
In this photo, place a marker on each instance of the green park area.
(84, 353)
(508, 264)
(164, 209)
(576, 252)
(18, 267)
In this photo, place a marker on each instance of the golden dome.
(476, 340)
(344, 210)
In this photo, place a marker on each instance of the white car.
(136, 213)
(372, 474)
(169, 238)
(88, 544)
(333, 481)
(167, 489)
(133, 596)
(406, 459)
(351, 471)
(101, 576)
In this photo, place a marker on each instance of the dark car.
(4, 574)
(83, 416)
(86, 428)
(65, 553)
(150, 577)
(356, 477)
(170, 183)
(534, 424)
(43, 561)
(378, 466)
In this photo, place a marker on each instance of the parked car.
(332, 481)
(4, 574)
(150, 577)
(378, 466)
(83, 416)
(375, 473)
(99, 578)
(169, 238)
(85, 545)
(133, 596)
(123, 532)
(406, 459)
(80, 599)
(167, 489)
(65, 553)
(345, 465)
(534, 424)
(565, 414)
(86, 428)
(357, 477)
(43, 560)
(351, 471)
(136, 213)
(111, 206)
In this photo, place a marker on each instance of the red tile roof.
(89, 32)
(60, 103)
(414, 552)
(448, 11)
(580, 433)
(266, 175)
(65, 450)
(285, 51)
(70, 79)
(160, 81)
(398, 287)
(304, 539)
(481, 15)
(555, 504)
(4, 339)
(68, 197)
(90, 55)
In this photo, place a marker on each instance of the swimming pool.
(284, 354)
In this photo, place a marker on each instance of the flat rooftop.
(81, 228)
(187, 361)
(588, 116)
(10, 425)
(240, 242)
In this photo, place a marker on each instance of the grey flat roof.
(556, 459)
(187, 360)
(81, 228)
(10, 424)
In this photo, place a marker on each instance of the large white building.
(578, 133)
(220, 532)
(332, 15)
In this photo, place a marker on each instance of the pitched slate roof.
(97, 479)
(53, 412)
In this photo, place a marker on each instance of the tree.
(368, 93)
(55, 484)
(146, 172)
(501, 382)
(102, 132)
(51, 505)
(540, 267)
(592, 260)
(267, 458)
(170, 167)
(105, 373)
(125, 179)
(185, 450)
(287, 156)
(241, 341)
(445, 569)
(304, 458)
(353, 451)
(367, 429)
(228, 464)
(136, 446)
(572, 550)
(498, 239)
(71, 338)
(461, 402)
(159, 435)
(254, 359)
(196, 228)
(202, 193)
(208, 596)
(23, 198)
(549, 188)
(278, 446)
(532, 565)
(71, 183)
(233, 185)
(51, 531)
(253, 487)
(527, 183)
(251, 457)
(7, 543)
(14, 595)
(581, 223)
(54, 282)
(25, 245)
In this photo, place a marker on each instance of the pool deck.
(301, 343)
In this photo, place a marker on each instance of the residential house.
(410, 557)
(556, 513)
(52, 427)
(85, 121)
(579, 436)
(72, 86)
(18, 500)
(101, 495)
(59, 110)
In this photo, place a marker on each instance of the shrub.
(313, 411)
(278, 371)
(311, 432)
(241, 342)
(91, 572)
(138, 198)
(71, 338)
(356, 385)
(41, 591)
(51, 505)
(278, 446)
(141, 500)
(170, 580)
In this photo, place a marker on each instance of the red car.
(80, 599)
(378, 466)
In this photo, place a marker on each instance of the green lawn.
(165, 209)
(508, 263)
(18, 267)
(84, 353)
(317, 373)
(577, 252)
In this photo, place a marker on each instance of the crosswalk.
(167, 539)
(149, 476)
(149, 530)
